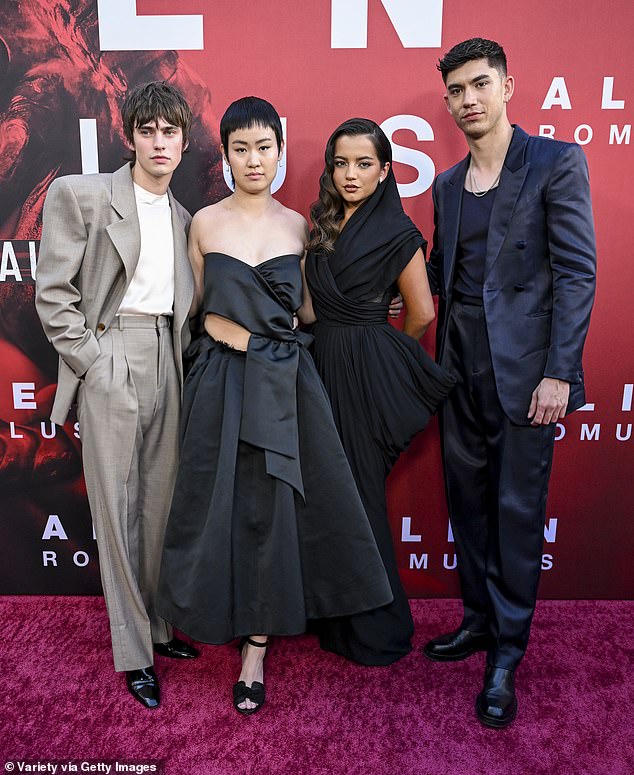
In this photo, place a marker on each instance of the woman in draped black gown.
(382, 385)
(266, 528)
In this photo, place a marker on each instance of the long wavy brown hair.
(326, 213)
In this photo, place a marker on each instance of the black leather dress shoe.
(496, 704)
(456, 645)
(143, 686)
(176, 649)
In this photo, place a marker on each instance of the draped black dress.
(266, 528)
(383, 388)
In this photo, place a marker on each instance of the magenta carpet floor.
(63, 703)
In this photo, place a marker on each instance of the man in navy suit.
(513, 263)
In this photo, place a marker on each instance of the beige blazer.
(89, 250)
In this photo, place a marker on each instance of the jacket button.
(521, 244)
(519, 288)
(101, 327)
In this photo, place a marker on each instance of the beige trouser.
(128, 409)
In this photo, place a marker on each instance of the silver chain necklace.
(475, 189)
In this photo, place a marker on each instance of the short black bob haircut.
(246, 113)
(469, 50)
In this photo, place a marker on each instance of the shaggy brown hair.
(147, 103)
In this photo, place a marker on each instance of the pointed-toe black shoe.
(176, 649)
(143, 685)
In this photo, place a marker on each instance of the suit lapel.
(125, 234)
(512, 179)
(452, 208)
(183, 278)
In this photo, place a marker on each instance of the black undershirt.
(472, 242)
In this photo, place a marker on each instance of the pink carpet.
(63, 702)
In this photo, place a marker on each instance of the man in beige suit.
(114, 289)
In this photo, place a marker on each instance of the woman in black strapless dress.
(382, 385)
(267, 528)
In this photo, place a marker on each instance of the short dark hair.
(149, 102)
(468, 50)
(246, 113)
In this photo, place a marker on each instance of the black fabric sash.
(242, 293)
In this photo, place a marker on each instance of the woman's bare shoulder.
(211, 212)
(294, 220)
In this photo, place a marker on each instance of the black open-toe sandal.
(255, 692)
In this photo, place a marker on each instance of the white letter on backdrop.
(418, 23)
(557, 95)
(120, 29)
(417, 159)
(607, 101)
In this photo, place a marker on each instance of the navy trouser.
(496, 476)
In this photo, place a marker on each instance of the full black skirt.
(383, 388)
(244, 552)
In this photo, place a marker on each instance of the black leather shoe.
(176, 648)
(456, 645)
(143, 686)
(496, 704)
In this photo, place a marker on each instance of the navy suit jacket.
(539, 276)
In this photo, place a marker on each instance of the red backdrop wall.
(64, 68)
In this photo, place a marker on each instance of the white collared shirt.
(151, 290)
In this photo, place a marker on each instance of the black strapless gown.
(383, 388)
(266, 528)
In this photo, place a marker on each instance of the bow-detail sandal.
(255, 693)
